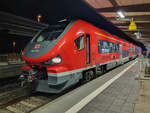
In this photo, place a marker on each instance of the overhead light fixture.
(138, 35)
(121, 14)
(63, 20)
(123, 19)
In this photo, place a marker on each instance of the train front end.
(43, 58)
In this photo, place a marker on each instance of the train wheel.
(92, 74)
(88, 75)
(104, 69)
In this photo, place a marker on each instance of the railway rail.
(27, 104)
(16, 99)
(21, 100)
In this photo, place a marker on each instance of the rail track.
(21, 100)
(16, 99)
(27, 104)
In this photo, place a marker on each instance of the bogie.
(88, 75)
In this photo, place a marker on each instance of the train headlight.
(55, 60)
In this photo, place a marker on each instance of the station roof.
(93, 11)
(139, 10)
(17, 25)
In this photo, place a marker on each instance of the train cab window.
(52, 32)
(80, 42)
(48, 35)
(40, 38)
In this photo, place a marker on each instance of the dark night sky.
(54, 10)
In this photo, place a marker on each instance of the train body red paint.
(63, 55)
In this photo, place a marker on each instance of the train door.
(120, 50)
(87, 49)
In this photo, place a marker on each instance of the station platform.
(113, 92)
(119, 97)
(10, 70)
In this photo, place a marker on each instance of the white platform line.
(92, 95)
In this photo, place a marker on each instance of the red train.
(64, 54)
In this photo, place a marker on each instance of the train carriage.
(64, 54)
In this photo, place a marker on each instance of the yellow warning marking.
(109, 37)
(103, 35)
(14, 110)
(27, 104)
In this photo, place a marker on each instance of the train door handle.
(113, 57)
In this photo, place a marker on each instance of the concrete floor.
(119, 97)
(143, 100)
(10, 70)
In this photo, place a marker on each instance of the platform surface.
(143, 100)
(10, 70)
(118, 97)
(10, 66)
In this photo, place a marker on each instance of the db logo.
(37, 46)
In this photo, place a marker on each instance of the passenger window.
(80, 42)
(100, 46)
(116, 47)
(111, 47)
(105, 47)
(130, 50)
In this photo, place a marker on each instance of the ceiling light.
(138, 35)
(63, 20)
(121, 14)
